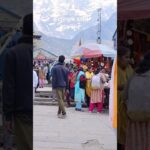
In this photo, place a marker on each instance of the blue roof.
(38, 49)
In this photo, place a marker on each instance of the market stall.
(96, 56)
(133, 33)
(133, 28)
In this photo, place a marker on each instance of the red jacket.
(72, 79)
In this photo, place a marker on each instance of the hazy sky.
(69, 16)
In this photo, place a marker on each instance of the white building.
(43, 54)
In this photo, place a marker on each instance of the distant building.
(39, 52)
(42, 54)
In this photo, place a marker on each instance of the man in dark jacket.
(17, 88)
(60, 84)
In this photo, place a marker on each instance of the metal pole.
(99, 27)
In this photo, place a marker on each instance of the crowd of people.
(87, 82)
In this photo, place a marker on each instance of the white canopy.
(105, 50)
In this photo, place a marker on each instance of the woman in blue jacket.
(79, 92)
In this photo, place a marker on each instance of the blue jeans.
(72, 93)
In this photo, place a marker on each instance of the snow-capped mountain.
(60, 46)
(65, 19)
(107, 30)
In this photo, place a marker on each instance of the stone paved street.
(79, 131)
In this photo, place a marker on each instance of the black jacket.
(17, 82)
(60, 76)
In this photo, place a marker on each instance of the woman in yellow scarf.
(89, 75)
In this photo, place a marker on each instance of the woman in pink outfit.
(97, 93)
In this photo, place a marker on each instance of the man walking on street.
(60, 84)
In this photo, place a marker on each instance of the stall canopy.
(133, 9)
(92, 50)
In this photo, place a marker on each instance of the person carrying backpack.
(137, 102)
(97, 83)
(80, 89)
